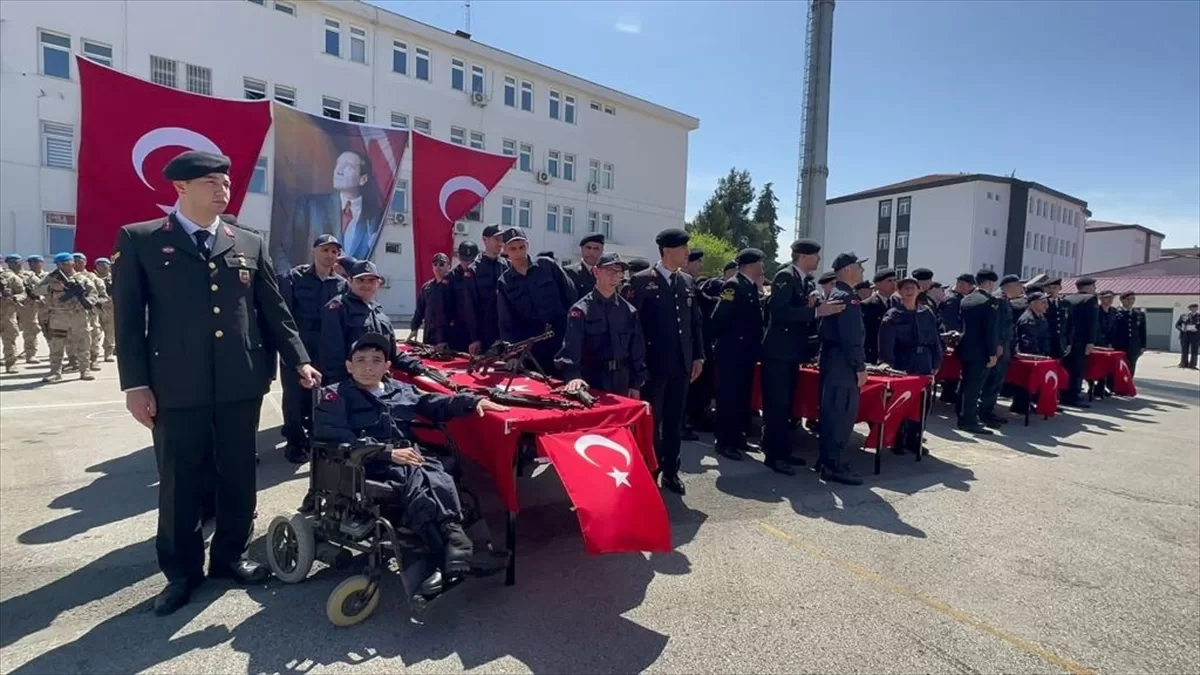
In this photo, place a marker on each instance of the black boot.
(459, 549)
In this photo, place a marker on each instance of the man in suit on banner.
(352, 212)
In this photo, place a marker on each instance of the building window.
(400, 197)
(1030, 207)
(1028, 239)
(903, 205)
(423, 125)
(98, 52)
(609, 110)
(568, 219)
(568, 167)
(458, 135)
(58, 145)
(594, 172)
(525, 159)
(510, 92)
(885, 240)
(506, 211)
(285, 7)
(333, 37)
(552, 218)
(987, 230)
(477, 140)
(331, 107)
(606, 176)
(258, 180)
(60, 231)
(1039, 206)
(885, 208)
(358, 45)
(399, 121)
(253, 90)
(593, 222)
(594, 105)
(569, 109)
(163, 71)
(555, 102)
(458, 75)
(989, 196)
(509, 147)
(422, 64)
(526, 96)
(606, 225)
(199, 80)
(553, 159)
(477, 79)
(399, 57)
(356, 112)
(901, 240)
(285, 95)
(524, 213)
(56, 54)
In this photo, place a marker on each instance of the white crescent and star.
(457, 183)
(588, 440)
(904, 396)
(1051, 375)
(167, 137)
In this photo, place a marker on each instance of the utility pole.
(813, 169)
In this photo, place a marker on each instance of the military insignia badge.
(166, 249)
(728, 294)
(331, 395)
(334, 304)
(244, 276)
(652, 286)
(576, 313)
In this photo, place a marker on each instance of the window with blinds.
(58, 145)
(164, 71)
(199, 80)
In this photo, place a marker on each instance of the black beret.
(936, 284)
(596, 238)
(885, 274)
(1053, 282)
(440, 258)
(1128, 294)
(1033, 289)
(986, 275)
(612, 260)
(862, 285)
(194, 164)
(695, 254)
(731, 265)
(1010, 279)
(906, 281)
(922, 274)
(1084, 281)
(846, 260)
(1106, 294)
(1036, 295)
(967, 278)
(468, 249)
(491, 230)
(513, 233)
(1193, 305)
(749, 256)
(827, 278)
(545, 254)
(639, 264)
(806, 246)
(672, 238)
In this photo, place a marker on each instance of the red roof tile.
(1164, 285)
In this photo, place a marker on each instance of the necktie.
(202, 242)
(347, 216)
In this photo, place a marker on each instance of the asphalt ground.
(1072, 545)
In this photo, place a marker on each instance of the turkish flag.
(131, 128)
(899, 400)
(619, 506)
(448, 181)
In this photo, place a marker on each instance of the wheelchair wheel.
(291, 548)
(352, 601)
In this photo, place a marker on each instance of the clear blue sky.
(1100, 100)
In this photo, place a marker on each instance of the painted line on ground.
(82, 404)
(932, 603)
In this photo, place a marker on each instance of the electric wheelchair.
(346, 514)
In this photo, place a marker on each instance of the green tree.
(726, 215)
(717, 252)
(766, 220)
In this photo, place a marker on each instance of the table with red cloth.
(1104, 363)
(884, 402)
(1041, 377)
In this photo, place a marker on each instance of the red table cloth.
(1041, 377)
(1103, 363)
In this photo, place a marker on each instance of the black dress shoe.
(244, 572)
(841, 474)
(295, 453)
(780, 466)
(671, 482)
(731, 453)
(176, 594)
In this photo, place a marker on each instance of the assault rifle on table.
(518, 400)
(73, 289)
(503, 353)
(513, 358)
(879, 369)
(433, 352)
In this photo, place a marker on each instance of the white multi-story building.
(955, 223)
(612, 163)
(1111, 245)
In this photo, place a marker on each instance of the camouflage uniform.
(105, 313)
(30, 315)
(95, 291)
(69, 327)
(10, 302)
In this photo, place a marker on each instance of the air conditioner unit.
(461, 227)
(399, 218)
(543, 177)
(592, 188)
(478, 98)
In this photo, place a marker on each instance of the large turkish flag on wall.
(131, 128)
(448, 181)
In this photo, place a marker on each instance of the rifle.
(433, 353)
(440, 377)
(73, 289)
(582, 396)
(512, 398)
(31, 290)
(503, 352)
(875, 369)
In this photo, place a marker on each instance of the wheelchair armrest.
(359, 452)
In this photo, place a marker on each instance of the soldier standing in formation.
(665, 300)
(994, 378)
(12, 298)
(483, 290)
(104, 312)
(93, 313)
(950, 320)
(843, 371)
(909, 341)
(603, 346)
(435, 306)
(461, 278)
(1033, 339)
(533, 295)
(32, 315)
(700, 393)
(1105, 319)
(1083, 333)
(591, 247)
(737, 329)
(1188, 325)
(68, 300)
(978, 351)
(1129, 330)
(1058, 315)
(874, 306)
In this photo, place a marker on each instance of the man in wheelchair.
(372, 407)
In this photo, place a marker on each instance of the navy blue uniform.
(842, 359)
(1058, 315)
(674, 339)
(582, 277)
(603, 345)
(791, 322)
(994, 378)
(1129, 335)
(909, 340)
(436, 311)
(738, 331)
(482, 282)
(700, 392)
(345, 319)
(346, 413)
(1033, 334)
(977, 346)
(1105, 321)
(306, 295)
(873, 309)
(463, 319)
(529, 303)
(950, 312)
(1085, 328)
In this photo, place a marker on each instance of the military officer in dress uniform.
(700, 392)
(1058, 315)
(909, 341)
(1084, 332)
(1129, 330)
(693, 267)
(461, 279)
(738, 331)
(435, 306)
(306, 289)
(792, 315)
(1188, 325)
(354, 313)
(978, 351)
(874, 306)
(603, 347)
(196, 298)
(665, 300)
(994, 378)
(843, 370)
(1033, 338)
(533, 295)
(484, 276)
(591, 247)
